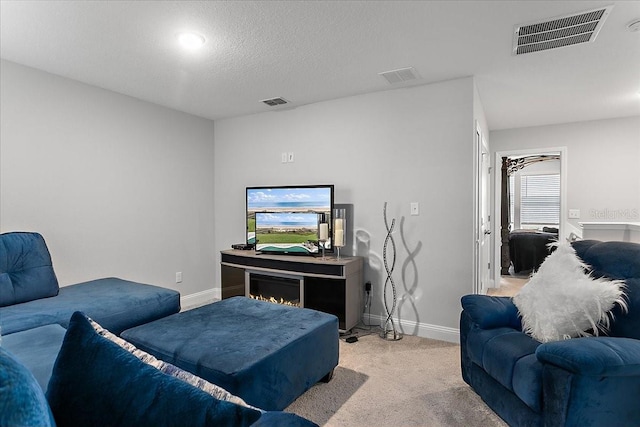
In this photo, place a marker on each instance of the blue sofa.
(41, 344)
(34, 310)
(590, 381)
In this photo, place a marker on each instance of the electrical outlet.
(415, 208)
(574, 213)
(179, 277)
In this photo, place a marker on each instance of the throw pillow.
(26, 272)
(96, 382)
(563, 301)
(169, 369)
(22, 402)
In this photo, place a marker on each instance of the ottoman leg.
(327, 377)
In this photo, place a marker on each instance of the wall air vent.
(558, 32)
(400, 75)
(274, 102)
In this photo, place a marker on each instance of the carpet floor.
(411, 382)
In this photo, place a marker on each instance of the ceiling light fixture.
(190, 41)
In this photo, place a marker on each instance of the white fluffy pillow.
(562, 301)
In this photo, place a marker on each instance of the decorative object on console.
(389, 331)
(339, 229)
(561, 301)
(323, 232)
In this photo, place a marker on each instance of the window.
(536, 201)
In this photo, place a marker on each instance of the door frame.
(497, 198)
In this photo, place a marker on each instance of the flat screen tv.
(285, 219)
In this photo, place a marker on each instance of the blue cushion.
(491, 312)
(508, 356)
(26, 272)
(268, 354)
(22, 402)
(36, 349)
(617, 260)
(478, 338)
(594, 356)
(502, 353)
(581, 246)
(96, 382)
(527, 381)
(114, 303)
(626, 323)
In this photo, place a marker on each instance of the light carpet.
(411, 382)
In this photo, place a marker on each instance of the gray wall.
(121, 187)
(399, 146)
(117, 186)
(603, 163)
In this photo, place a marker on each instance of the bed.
(528, 248)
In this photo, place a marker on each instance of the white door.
(485, 220)
(482, 227)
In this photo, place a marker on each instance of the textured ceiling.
(308, 52)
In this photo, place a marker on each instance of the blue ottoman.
(268, 354)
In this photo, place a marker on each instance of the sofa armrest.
(593, 356)
(491, 312)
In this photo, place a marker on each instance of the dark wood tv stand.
(330, 285)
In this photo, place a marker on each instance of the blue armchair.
(592, 381)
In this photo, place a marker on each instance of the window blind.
(540, 199)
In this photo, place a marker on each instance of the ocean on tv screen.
(285, 219)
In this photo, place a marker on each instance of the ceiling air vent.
(400, 75)
(274, 102)
(558, 32)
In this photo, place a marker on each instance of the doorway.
(525, 222)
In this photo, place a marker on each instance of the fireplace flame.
(275, 301)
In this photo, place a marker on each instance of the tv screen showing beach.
(287, 232)
(285, 219)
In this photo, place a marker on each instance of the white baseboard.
(200, 298)
(423, 330)
(490, 284)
